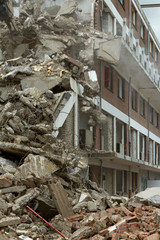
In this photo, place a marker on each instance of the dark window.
(134, 99)
(121, 85)
(151, 47)
(142, 32)
(142, 107)
(150, 114)
(121, 2)
(134, 17)
(108, 81)
(157, 120)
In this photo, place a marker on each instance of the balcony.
(134, 64)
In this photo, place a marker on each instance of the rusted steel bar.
(46, 222)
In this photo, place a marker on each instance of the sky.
(153, 15)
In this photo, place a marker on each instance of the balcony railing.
(139, 53)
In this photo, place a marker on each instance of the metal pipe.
(150, 5)
(46, 222)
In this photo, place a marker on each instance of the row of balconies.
(139, 54)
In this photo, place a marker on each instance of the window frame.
(150, 114)
(122, 2)
(134, 100)
(151, 47)
(121, 87)
(108, 78)
(142, 107)
(142, 28)
(134, 17)
(156, 55)
(156, 119)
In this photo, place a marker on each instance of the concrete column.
(138, 152)
(157, 154)
(114, 182)
(110, 24)
(114, 134)
(109, 134)
(130, 182)
(123, 181)
(150, 152)
(139, 182)
(134, 145)
(137, 49)
(115, 27)
(123, 136)
(154, 159)
(76, 128)
(125, 29)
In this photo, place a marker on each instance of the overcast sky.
(153, 15)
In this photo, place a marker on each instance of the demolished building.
(78, 103)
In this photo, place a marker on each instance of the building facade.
(130, 92)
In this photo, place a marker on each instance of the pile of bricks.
(136, 221)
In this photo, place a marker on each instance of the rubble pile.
(77, 208)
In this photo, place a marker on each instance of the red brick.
(76, 217)
(97, 237)
(104, 232)
(111, 210)
(133, 227)
(142, 235)
(131, 219)
(154, 236)
(126, 211)
(122, 228)
(115, 236)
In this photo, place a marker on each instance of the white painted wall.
(153, 183)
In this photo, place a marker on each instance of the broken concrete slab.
(25, 199)
(42, 83)
(61, 200)
(39, 166)
(20, 50)
(50, 43)
(83, 232)
(6, 180)
(9, 221)
(22, 150)
(67, 8)
(4, 206)
(84, 197)
(92, 206)
(149, 196)
(109, 51)
(14, 189)
(65, 23)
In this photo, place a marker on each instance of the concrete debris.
(67, 8)
(149, 196)
(7, 221)
(61, 200)
(35, 165)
